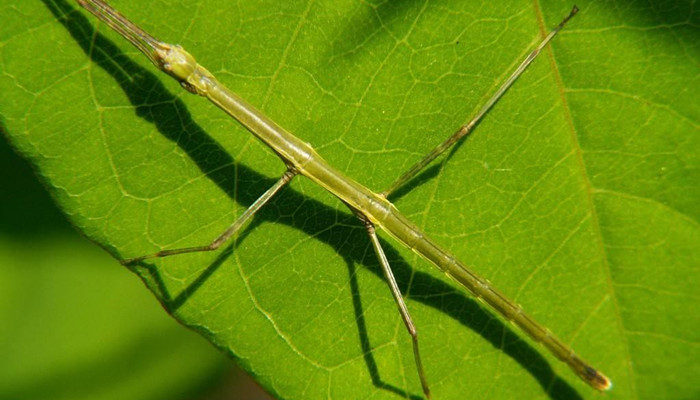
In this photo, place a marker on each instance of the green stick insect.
(373, 209)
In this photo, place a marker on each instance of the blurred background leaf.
(577, 196)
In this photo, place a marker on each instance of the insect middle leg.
(231, 230)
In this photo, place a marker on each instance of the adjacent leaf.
(577, 196)
(84, 331)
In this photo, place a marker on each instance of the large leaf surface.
(577, 196)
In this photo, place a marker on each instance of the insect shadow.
(169, 115)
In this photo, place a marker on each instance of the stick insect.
(372, 209)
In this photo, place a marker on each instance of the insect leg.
(465, 130)
(231, 230)
(396, 293)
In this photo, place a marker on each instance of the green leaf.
(75, 325)
(577, 196)
(63, 340)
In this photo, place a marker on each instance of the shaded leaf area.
(577, 196)
(76, 326)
